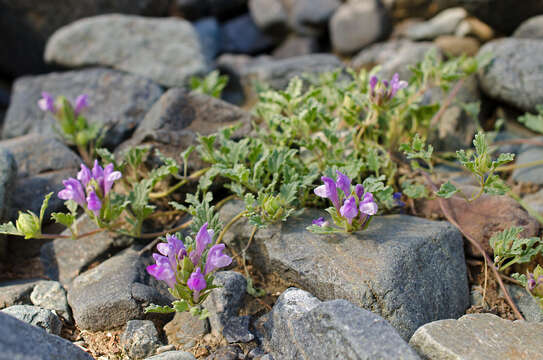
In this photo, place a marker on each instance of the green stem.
(229, 225)
(520, 166)
(172, 189)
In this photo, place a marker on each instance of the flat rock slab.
(301, 327)
(22, 341)
(16, 292)
(391, 268)
(36, 316)
(117, 100)
(515, 73)
(165, 50)
(532, 174)
(481, 337)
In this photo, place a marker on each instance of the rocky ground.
(407, 288)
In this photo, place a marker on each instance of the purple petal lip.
(216, 259)
(319, 222)
(47, 103)
(344, 183)
(80, 103)
(349, 209)
(73, 190)
(197, 281)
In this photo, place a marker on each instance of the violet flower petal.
(110, 177)
(84, 175)
(203, 239)
(321, 191)
(47, 103)
(93, 203)
(73, 190)
(81, 102)
(368, 206)
(344, 183)
(359, 191)
(197, 281)
(349, 209)
(320, 222)
(98, 175)
(216, 259)
(331, 190)
(162, 270)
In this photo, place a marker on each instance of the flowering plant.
(352, 207)
(188, 271)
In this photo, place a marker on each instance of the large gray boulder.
(409, 270)
(530, 29)
(479, 336)
(165, 50)
(36, 316)
(22, 341)
(533, 174)
(118, 101)
(515, 73)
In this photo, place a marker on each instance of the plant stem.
(229, 225)
(526, 207)
(172, 189)
(520, 166)
(60, 236)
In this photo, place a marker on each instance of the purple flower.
(203, 239)
(84, 175)
(162, 270)
(373, 82)
(47, 103)
(344, 183)
(387, 90)
(531, 284)
(359, 191)
(349, 209)
(174, 249)
(320, 222)
(395, 85)
(110, 177)
(93, 203)
(368, 206)
(328, 190)
(80, 103)
(73, 190)
(196, 283)
(216, 259)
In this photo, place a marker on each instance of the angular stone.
(303, 327)
(390, 268)
(253, 40)
(36, 316)
(16, 292)
(444, 23)
(119, 101)
(479, 336)
(16, 336)
(269, 15)
(52, 296)
(134, 44)
(457, 46)
(514, 73)
(173, 355)
(236, 330)
(185, 329)
(112, 293)
(532, 174)
(530, 29)
(140, 339)
(526, 303)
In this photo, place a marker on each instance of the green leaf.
(533, 122)
(447, 190)
(510, 248)
(180, 305)
(414, 190)
(9, 229)
(158, 309)
(64, 219)
(495, 186)
(44, 205)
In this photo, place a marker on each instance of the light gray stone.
(310, 17)
(390, 268)
(185, 329)
(140, 339)
(165, 50)
(118, 101)
(479, 336)
(269, 15)
(173, 355)
(16, 292)
(535, 201)
(52, 296)
(444, 23)
(21, 341)
(36, 316)
(533, 174)
(530, 29)
(295, 45)
(514, 73)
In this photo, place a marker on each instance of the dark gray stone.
(236, 330)
(303, 327)
(51, 295)
(140, 339)
(253, 40)
(390, 268)
(8, 176)
(173, 355)
(269, 15)
(165, 50)
(532, 174)
(310, 17)
(479, 336)
(231, 352)
(209, 33)
(514, 73)
(526, 303)
(16, 292)
(21, 341)
(444, 23)
(531, 28)
(117, 100)
(36, 316)
(185, 329)
(110, 294)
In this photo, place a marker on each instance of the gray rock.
(209, 33)
(253, 40)
(295, 45)
(236, 330)
(531, 174)
(444, 23)
(173, 355)
(185, 329)
(356, 24)
(42, 163)
(140, 339)
(117, 100)
(514, 73)
(64, 259)
(8, 176)
(231, 352)
(21, 341)
(389, 271)
(112, 293)
(305, 328)
(479, 336)
(16, 292)
(51, 295)
(269, 15)
(526, 303)
(165, 50)
(310, 17)
(535, 201)
(225, 302)
(175, 121)
(530, 29)
(36, 316)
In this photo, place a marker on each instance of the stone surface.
(140, 339)
(303, 327)
(175, 121)
(445, 23)
(16, 292)
(479, 336)
(112, 293)
(514, 73)
(64, 259)
(52, 296)
(253, 40)
(142, 46)
(36, 316)
(117, 100)
(535, 201)
(310, 17)
(230, 352)
(295, 45)
(173, 355)
(236, 330)
(209, 33)
(185, 329)
(19, 340)
(356, 24)
(390, 268)
(475, 28)
(533, 174)
(42, 163)
(269, 15)
(531, 28)
(483, 217)
(457, 46)
(8, 176)
(526, 303)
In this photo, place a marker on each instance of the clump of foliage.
(212, 84)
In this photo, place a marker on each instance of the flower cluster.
(534, 284)
(188, 271)
(382, 91)
(353, 208)
(47, 103)
(91, 188)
